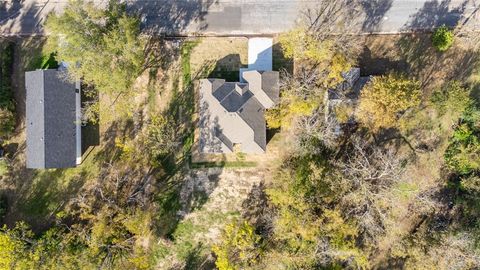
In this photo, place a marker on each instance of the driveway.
(230, 17)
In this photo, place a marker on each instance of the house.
(343, 99)
(53, 119)
(232, 114)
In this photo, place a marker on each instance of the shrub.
(239, 248)
(442, 38)
(3, 207)
(7, 107)
(453, 99)
(463, 154)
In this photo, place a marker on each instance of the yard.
(200, 194)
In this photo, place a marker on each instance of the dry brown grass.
(414, 55)
(223, 54)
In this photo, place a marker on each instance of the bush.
(463, 154)
(453, 99)
(442, 38)
(239, 248)
(6, 66)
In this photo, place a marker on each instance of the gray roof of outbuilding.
(50, 119)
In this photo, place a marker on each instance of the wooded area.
(397, 188)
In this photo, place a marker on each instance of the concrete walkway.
(243, 17)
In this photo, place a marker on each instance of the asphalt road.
(242, 17)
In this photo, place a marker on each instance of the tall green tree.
(102, 46)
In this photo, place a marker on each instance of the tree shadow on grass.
(40, 194)
(434, 68)
(374, 65)
(176, 173)
(49, 193)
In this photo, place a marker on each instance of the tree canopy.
(102, 46)
(384, 98)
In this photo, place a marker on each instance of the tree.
(14, 246)
(161, 137)
(442, 38)
(384, 98)
(322, 47)
(102, 46)
(463, 153)
(371, 172)
(240, 247)
(452, 99)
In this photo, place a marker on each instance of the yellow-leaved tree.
(239, 247)
(385, 98)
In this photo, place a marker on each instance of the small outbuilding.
(53, 119)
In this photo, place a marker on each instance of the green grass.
(151, 88)
(187, 48)
(3, 167)
(51, 189)
(45, 61)
(406, 190)
(189, 237)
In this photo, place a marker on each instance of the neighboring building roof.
(50, 119)
(233, 113)
(346, 94)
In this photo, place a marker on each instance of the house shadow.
(90, 128)
(227, 68)
(372, 65)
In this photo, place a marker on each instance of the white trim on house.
(78, 121)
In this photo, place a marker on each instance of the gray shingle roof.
(234, 113)
(50, 119)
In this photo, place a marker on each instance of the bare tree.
(314, 128)
(372, 173)
(335, 20)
